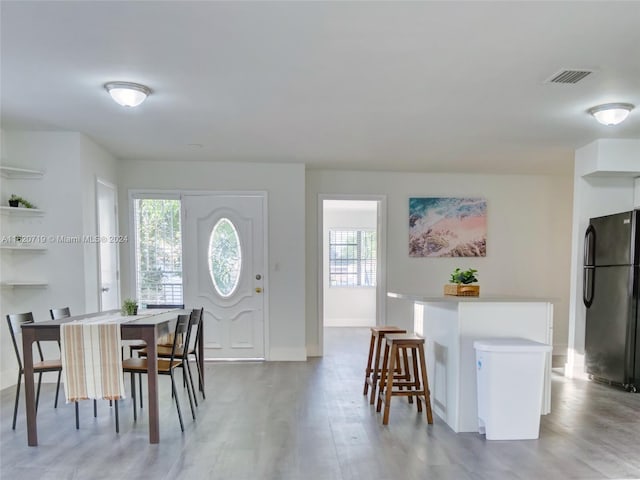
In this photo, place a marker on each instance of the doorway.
(224, 253)
(108, 274)
(352, 261)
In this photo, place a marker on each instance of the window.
(352, 258)
(225, 257)
(158, 251)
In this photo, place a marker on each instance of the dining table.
(147, 325)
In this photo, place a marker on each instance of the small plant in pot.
(465, 277)
(462, 280)
(16, 201)
(129, 307)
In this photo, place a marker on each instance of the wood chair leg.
(416, 377)
(15, 408)
(425, 384)
(367, 372)
(375, 374)
(389, 388)
(406, 372)
(383, 376)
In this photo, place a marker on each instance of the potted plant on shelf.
(16, 201)
(461, 283)
(129, 307)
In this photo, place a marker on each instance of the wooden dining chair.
(166, 366)
(196, 321)
(15, 321)
(57, 313)
(187, 348)
(140, 345)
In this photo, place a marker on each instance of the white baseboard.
(8, 378)
(287, 355)
(313, 351)
(574, 368)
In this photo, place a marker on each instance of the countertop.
(455, 299)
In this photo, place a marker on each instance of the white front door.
(108, 246)
(224, 268)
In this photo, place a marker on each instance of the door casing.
(381, 272)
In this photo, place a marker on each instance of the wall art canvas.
(447, 227)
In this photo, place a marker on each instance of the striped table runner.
(91, 360)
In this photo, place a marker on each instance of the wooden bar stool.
(373, 366)
(416, 383)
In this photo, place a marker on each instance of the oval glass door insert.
(225, 257)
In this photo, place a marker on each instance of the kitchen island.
(450, 325)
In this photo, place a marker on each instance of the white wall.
(599, 189)
(347, 306)
(68, 159)
(285, 185)
(528, 240)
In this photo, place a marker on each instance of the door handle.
(258, 290)
(589, 246)
(588, 279)
(105, 289)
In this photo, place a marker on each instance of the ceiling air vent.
(568, 76)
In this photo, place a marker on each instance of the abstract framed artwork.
(447, 227)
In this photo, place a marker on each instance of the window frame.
(134, 195)
(359, 245)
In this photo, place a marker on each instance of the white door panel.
(108, 246)
(232, 298)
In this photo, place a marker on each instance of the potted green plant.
(129, 307)
(16, 201)
(461, 283)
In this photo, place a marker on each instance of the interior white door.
(109, 285)
(224, 268)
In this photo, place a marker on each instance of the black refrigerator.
(611, 295)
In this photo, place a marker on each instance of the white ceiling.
(411, 86)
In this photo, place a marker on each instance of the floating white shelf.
(23, 283)
(23, 173)
(21, 211)
(24, 248)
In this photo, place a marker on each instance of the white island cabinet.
(451, 324)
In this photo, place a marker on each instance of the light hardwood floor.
(308, 421)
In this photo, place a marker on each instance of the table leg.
(375, 374)
(28, 337)
(150, 336)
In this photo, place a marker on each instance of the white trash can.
(510, 374)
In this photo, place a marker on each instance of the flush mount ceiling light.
(611, 113)
(127, 94)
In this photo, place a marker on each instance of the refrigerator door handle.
(589, 246)
(588, 277)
